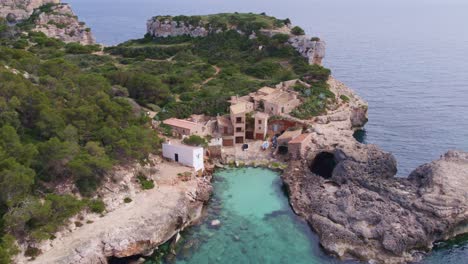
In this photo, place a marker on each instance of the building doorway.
(176, 157)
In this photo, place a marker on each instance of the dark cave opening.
(323, 164)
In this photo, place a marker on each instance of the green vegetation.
(344, 98)
(146, 184)
(127, 200)
(61, 122)
(195, 140)
(298, 31)
(180, 65)
(246, 22)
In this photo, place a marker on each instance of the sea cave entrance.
(323, 164)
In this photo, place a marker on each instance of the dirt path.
(217, 71)
(123, 226)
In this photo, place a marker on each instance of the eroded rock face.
(169, 28)
(63, 24)
(364, 212)
(56, 21)
(313, 50)
(21, 9)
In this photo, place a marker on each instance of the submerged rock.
(363, 211)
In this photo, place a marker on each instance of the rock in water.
(215, 223)
(363, 211)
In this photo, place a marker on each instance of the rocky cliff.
(60, 22)
(151, 218)
(21, 9)
(54, 19)
(349, 195)
(312, 49)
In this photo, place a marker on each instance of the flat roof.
(180, 145)
(267, 90)
(238, 108)
(299, 139)
(261, 115)
(291, 134)
(180, 123)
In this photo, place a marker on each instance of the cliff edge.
(312, 49)
(54, 19)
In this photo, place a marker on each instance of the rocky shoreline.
(136, 228)
(361, 211)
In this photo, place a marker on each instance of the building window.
(238, 129)
(282, 109)
(259, 122)
(239, 119)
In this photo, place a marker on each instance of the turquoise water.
(257, 224)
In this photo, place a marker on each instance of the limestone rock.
(21, 9)
(170, 28)
(313, 50)
(60, 22)
(363, 211)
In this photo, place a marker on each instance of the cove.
(257, 225)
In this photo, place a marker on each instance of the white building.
(183, 154)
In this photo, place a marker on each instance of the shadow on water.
(360, 135)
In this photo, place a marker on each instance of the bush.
(128, 200)
(195, 140)
(146, 184)
(32, 252)
(315, 39)
(344, 98)
(298, 31)
(97, 206)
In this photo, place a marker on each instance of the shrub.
(298, 31)
(195, 140)
(128, 200)
(344, 98)
(97, 206)
(146, 184)
(32, 252)
(315, 39)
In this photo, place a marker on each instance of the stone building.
(182, 127)
(261, 125)
(298, 146)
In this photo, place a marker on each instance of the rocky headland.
(54, 19)
(21, 9)
(167, 26)
(350, 196)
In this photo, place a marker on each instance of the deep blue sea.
(407, 58)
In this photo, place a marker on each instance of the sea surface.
(407, 58)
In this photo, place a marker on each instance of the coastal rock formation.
(151, 218)
(161, 27)
(54, 19)
(60, 22)
(169, 28)
(21, 9)
(313, 50)
(349, 195)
